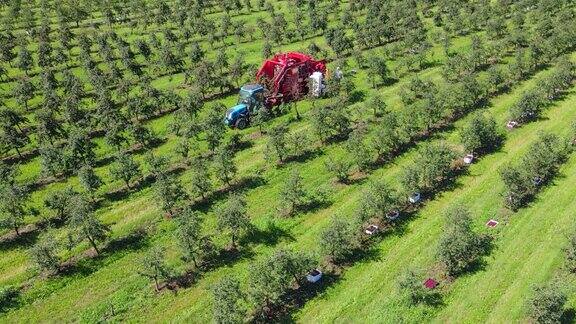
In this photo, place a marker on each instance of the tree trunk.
(16, 230)
(296, 109)
(156, 283)
(93, 243)
(18, 151)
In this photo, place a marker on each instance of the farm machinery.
(284, 78)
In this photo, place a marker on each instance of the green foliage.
(183, 147)
(224, 164)
(7, 296)
(80, 149)
(528, 107)
(537, 167)
(546, 305)
(89, 180)
(377, 200)
(299, 144)
(459, 247)
(157, 165)
(11, 138)
(330, 121)
(117, 91)
(545, 156)
(260, 118)
(53, 160)
(276, 147)
(412, 287)
(338, 41)
(24, 92)
(213, 126)
(232, 217)
(59, 201)
(570, 252)
(228, 301)
(8, 175)
(339, 167)
(125, 168)
(200, 181)
(377, 105)
(293, 196)
(25, 61)
(154, 267)
(271, 278)
(142, 135)
(84, 225)
(519, 186)
(386, 138)
(430, 167)
(195, 246)
(45, 254)
(12, 207)
(169, 192)
(338, 240)
(377, 68)
(480, 134)
(361, 153)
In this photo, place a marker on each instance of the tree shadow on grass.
(298, 298)
(305, 156)
(135, 149)
(144, 182)
(269, 236)
(364, 255)
(357, 96)
(124, 192)
(226, 257)
(400, 226)
(84, 265)
(133, 241)
(28, 237)
(569, 316)
(428, 64)
(480, 264)
(388, 82)
(246, 183)
(241, 144)
(283, 312)
(9, 299)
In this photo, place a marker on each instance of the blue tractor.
(250, 102)
(288, 76)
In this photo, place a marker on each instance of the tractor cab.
(252, 95)
(287, 77)
(250, 101)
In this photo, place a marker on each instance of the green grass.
(528, 244)
(414, 247)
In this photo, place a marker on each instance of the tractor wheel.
(241, 123)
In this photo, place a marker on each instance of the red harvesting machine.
(286, 76)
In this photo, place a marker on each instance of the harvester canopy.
(287, 76)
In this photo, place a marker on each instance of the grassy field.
(527, 246)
